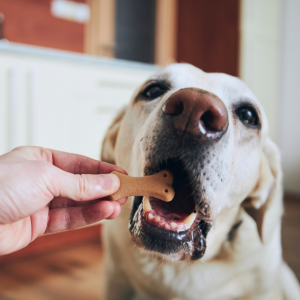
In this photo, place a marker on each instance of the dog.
(220, 237)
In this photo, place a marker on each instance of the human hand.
(44, 191)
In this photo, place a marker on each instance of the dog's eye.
(154, 91)
(248, 116)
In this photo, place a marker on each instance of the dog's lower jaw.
(189, 245)
(199, 245)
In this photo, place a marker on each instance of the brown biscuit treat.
(157, 185)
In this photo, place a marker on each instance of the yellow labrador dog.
(219, 238)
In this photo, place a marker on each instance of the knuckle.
(82, 186)
(21, 148)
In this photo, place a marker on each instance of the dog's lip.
(167, 235)
(164, 241)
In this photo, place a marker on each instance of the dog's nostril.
(166, 190)
(208, 119)
(212, 121)
(174, 107)
(165, 175)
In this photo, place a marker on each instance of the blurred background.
(67, 67)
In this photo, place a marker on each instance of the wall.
(260, 54)
(288, 119)
(270, 65)
(30, 22)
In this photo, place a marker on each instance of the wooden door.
(208, 34)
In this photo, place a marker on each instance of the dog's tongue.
(168, 210)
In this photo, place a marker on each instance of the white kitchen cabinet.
(62, 100)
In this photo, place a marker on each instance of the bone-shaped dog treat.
(157, 185)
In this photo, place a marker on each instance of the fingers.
(69, 162)
(75, 217)
(61, 202)
(64, 184)
(83, 187)
(79, 164)
(117, 210)
(122, 201)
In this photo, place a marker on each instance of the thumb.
(81, 187)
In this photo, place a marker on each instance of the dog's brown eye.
(154, 91)
(248, 116)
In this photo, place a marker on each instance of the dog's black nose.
(197, 112)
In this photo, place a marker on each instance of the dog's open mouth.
(180, 213)
(170, 227)
(157, 213)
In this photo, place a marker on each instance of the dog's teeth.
(150, 216)
(173, 225)
(180, 226)
(167, 226)
(157, 218)
(190, 219)
(146, 204)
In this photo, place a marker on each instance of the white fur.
(245, 268)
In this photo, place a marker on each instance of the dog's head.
(210, 131)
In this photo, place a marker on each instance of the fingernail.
(108, 181)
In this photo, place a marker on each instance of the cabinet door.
(97, 97)
(61, 105)
(50, 85)
(76, 104)
(13, 103)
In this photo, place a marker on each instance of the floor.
(72, 274)
(291, 233)
(77, 273)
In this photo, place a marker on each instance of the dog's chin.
(186, 244)
(174, 230)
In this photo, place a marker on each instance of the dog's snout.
(197, 112)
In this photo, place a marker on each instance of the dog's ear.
(265, 199)
(109, 141)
